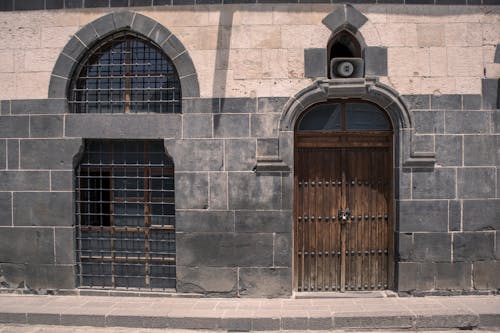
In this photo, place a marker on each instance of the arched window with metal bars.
(125, 73)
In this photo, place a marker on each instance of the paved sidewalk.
(405, 313)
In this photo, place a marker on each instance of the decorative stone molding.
(106, 25)
(345, 17)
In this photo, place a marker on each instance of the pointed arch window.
(125, 73)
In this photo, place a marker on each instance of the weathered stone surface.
(5, 209)
(14, 249)
(46, 126)
(12, 154)
(251, 191)
(123, 126)
(455, 217)
(446, 102)
(200, 105)
(432, 247)
(267, 147)
(264, 221)
(265, 125)
(315, 63)
(224, 249)
(240, 154)
(38, 106)
(206, 280)
(475, 183)
(448, 150)
(24, 180)
(49, 153)
(65, 245)
(433, 183)
(472, 246)
(418, 102)
(455, 276)
(429, 121)
(191, 190)
(283, 243)
(278, 282)
(3, 154)
(14, 126)
(196, 155)
(375, 61)
(471, 102)
(61, 180)
(489, 92)
(238, 105)
(204, 221)
(271, 104)
(481, 150)
(43, 209)
(486, 275)
(197, 126)
(405, 246)
(425, 216)
(50, 276)
(231, 125)
(467, 122)
(481, 215)
(415, 276)
(218, 190)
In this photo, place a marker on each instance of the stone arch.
(111, 23)
(366, 89)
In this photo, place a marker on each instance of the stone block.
(5, 209)
(418, 102)
(429, 121)
(191, 190)
(123, 19)
(61, 180)
(173, 47)
(123, 126)
(271, 104)
(446, 102)
(283, 248)
(432, 247)
(240, 154)
(184, 64)
(403, 183)
(39, 106)
(405, 246)
(5, 107)
(454, 276)
(43, 318)
(497, 243)
(200, 105)
(250, 191)
(238, 105)
(486, 275)
(433, 183)
(190, 86)
(14, 126)
(204, 221)
(50, 276)
(197, 126)
(496, 121)
(475, 183)
(27, 245)
(423, 216)
(24, 181)
(315, 63)
(196, 155)
(65, 246)
(46, 126)
(267, 147)
(481, 215)
(471, 102)
(265, 125)
(448, 150)
(278, 282)
(455, 217)
(264, 221)
(58, 85)
(48, 154)
(159, 34)
(13, 154)
(467, 122)
(207, 280)
(481, 150)
(218, 190)
(231, 125)
(423, 143)
(375, 61)
(3, 154)
(416, 276)
(287, 190)
(82, 320)
(43, 209)
(472, 246)
(64, 65)
(489, 89)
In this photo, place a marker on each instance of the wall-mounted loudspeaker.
(347, 67)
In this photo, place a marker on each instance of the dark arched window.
(344, 116)
(125, 73)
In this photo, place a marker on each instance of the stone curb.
(383, 320)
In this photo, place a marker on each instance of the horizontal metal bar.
(127, 259)
(167, 227)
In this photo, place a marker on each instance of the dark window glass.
(126, 74)
(364, 116)
(322, 117)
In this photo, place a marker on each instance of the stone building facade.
(248, 72)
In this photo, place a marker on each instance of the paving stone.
(465, 320)
(375, 321)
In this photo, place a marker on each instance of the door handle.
(343, 216)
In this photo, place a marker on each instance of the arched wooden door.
(343, 234)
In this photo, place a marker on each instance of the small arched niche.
(343, 45)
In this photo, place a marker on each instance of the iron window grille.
(125, 74)
(125, 215)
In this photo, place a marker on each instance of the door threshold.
(346, 294)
